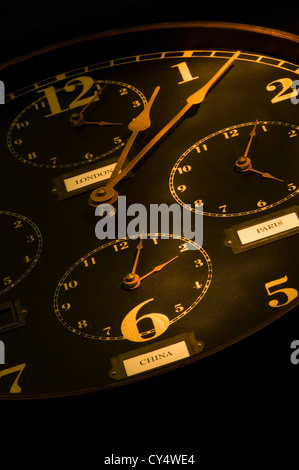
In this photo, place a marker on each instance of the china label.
(156, 358)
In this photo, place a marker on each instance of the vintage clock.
(202, 116)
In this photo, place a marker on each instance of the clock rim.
(280, 44)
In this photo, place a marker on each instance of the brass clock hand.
(138, 124)
(156, 269)
(99, 196)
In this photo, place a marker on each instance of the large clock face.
(199, 119)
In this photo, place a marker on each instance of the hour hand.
(244, 165)
(265, 175)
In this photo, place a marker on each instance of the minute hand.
(196, 98)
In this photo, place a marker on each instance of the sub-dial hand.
(98, 196)
(244, 162)
(252, 134)
(77, 121)
(158, 268)
(77, 118)
(246, 166)
(132, 278)
(264, 175)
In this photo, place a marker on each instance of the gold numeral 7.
(15, 388)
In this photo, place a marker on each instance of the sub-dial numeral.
(231, 133)
(120, 246)
(201, 148)
(184, 169)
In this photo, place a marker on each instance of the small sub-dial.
(83, 121)
(21, 244)
(239, 170)
(133, 289)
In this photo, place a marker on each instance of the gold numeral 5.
(289, 292)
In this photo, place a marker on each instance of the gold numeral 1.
(185, 72)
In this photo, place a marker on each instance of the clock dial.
(21, 245)
(78, 122)
(197, 121)
(244, 185)
(115, 316)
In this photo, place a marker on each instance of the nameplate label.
(89, 177)
(268, 228)
(156, 358)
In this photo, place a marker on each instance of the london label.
(90, 177)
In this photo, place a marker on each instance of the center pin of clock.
(76, 119)
(243, 163)
(131, 280)
(101, 195)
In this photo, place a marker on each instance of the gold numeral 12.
(52, 99)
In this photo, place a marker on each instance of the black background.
(29, 25)
(242, 399)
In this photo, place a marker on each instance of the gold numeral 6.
(129, 326)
